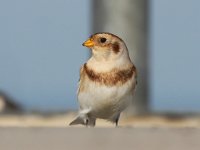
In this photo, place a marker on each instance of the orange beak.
(89, 43)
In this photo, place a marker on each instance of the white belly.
(103, 101)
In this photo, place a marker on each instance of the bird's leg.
(86, 122)
(91, 122)
(116, 120)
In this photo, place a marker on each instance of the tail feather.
(76, 121)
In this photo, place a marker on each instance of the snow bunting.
(107, 80)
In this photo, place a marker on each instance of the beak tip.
(89, 43)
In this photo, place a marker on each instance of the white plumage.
(107, 80)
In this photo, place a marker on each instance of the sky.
(41, 52)
(175, 53)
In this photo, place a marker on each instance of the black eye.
(102, 40)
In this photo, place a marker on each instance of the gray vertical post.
(127, 19)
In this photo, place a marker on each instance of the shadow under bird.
(107, 80)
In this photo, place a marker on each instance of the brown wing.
(136, 81)
(80, 84)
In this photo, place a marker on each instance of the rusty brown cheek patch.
(116, 47)
(111, 78)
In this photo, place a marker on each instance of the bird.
(107, 80)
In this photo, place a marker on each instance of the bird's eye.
(102, 40)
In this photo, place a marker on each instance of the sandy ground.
(50, 132)
(59, 138)
(63, 119)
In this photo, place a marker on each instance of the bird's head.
(106, 46)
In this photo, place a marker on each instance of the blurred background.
(41, 51)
